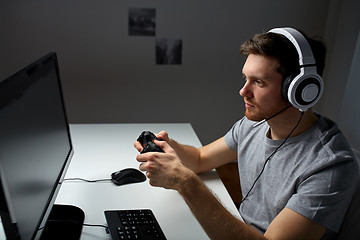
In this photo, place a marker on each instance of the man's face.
(262, 88)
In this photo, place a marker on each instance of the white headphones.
(305, 89)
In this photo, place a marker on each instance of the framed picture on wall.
(169, 51)
(142, 21)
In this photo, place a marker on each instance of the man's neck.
(284, 123)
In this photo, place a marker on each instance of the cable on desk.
(86, 180)
(83, 224)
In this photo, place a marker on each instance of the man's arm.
(201, 159)
(168, 171)
(218, 223)
(289, 224)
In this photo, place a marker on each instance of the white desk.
(101, 149)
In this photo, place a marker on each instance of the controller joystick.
(146, 139)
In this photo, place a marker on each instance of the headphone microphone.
(266, 119)
(305, 89)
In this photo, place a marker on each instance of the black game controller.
(146, 139)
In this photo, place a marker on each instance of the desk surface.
(101, 149)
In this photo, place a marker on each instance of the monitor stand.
(64, 222)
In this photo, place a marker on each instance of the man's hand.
(163, 169)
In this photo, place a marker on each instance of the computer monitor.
(35, 147)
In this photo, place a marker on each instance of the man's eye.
(259, 82)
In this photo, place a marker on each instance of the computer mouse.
(126, 176)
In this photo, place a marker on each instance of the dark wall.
(109, 76)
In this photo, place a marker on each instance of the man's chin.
(253, 117)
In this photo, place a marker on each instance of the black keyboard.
(133, 224)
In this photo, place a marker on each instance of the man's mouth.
(248, 105)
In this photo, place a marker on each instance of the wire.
(270, 156)
(86, 180)
(84, 224)
(79, 223)
(95, 225)
(76, 222)
(272, 116)
(278, 112)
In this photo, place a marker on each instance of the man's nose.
(245, 91)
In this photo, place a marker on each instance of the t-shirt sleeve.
(322, 201)
(232, 136)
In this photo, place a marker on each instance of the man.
(297, 172)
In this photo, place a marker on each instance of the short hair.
(279, 47)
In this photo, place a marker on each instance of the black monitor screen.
(35, 146)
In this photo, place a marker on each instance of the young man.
(297, 172)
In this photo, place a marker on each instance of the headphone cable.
(270, 156)
(274, 115)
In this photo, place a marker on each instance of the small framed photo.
(142, 21)
(169, 51)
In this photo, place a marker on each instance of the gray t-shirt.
(314, 173)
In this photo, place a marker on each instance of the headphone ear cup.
(285, 86)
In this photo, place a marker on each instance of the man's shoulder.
(331, 137)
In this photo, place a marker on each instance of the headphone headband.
(301, 44)
(304, 90)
